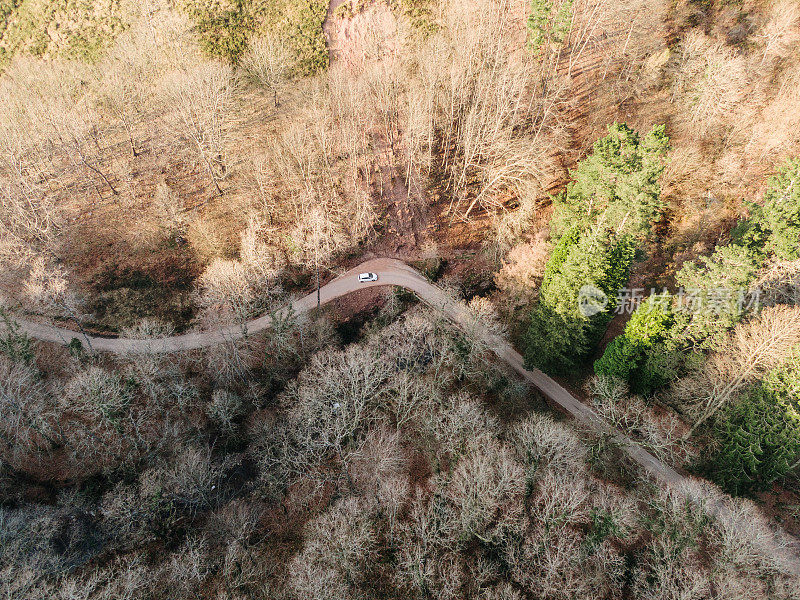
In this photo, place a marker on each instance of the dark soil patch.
(122, 296)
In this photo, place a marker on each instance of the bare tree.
(27, 226)
(27, 426)
(751, 350)
(268, 63)
(486, 489)
(317, 238)
(47, 291)
(456, 426)
(522, 270)
(235, 290)
(201, 97)
(780, 31)
(340, 548)
(479, 105)
(120, 96)
(540, 442)
(334, 399)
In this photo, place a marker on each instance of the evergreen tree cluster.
(715, 289)
(618, 183)
(546, 23)
(644, 355)
(610, 203)
(774, 227)
(759, 436)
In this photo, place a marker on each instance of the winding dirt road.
(394, 272)
(390, 272)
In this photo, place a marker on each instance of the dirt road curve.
(395, 272)
(390, 272)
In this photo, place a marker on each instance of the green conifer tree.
(760, 435)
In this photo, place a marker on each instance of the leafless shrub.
(292, 340)
(225, 407)
(148, 329)
(240, 568)
(486, 488)
(775, 132)
(483, 319)
(25, 533)
(504, 591)
(339, 551)
(125, 577)
(47, 290)
(98, 393)
(232, 291)
(318, 236)
(157, 374)
(170, 210)
(235, 290)
(27, 227)
(124, 516)
(230, 362)
(256, 254)
(522, 271)
(206, 239)
(608, 390)
(101, 424)
(541, 443)
(237, 521)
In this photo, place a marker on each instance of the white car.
(367, 277)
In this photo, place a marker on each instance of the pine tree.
(618, 183)
(559, 334)
(774, 228)
(538, 20)
(760, 436)
(613, 198)
(639, 356)
(547, 23)
(620, 359)
(714, 286)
